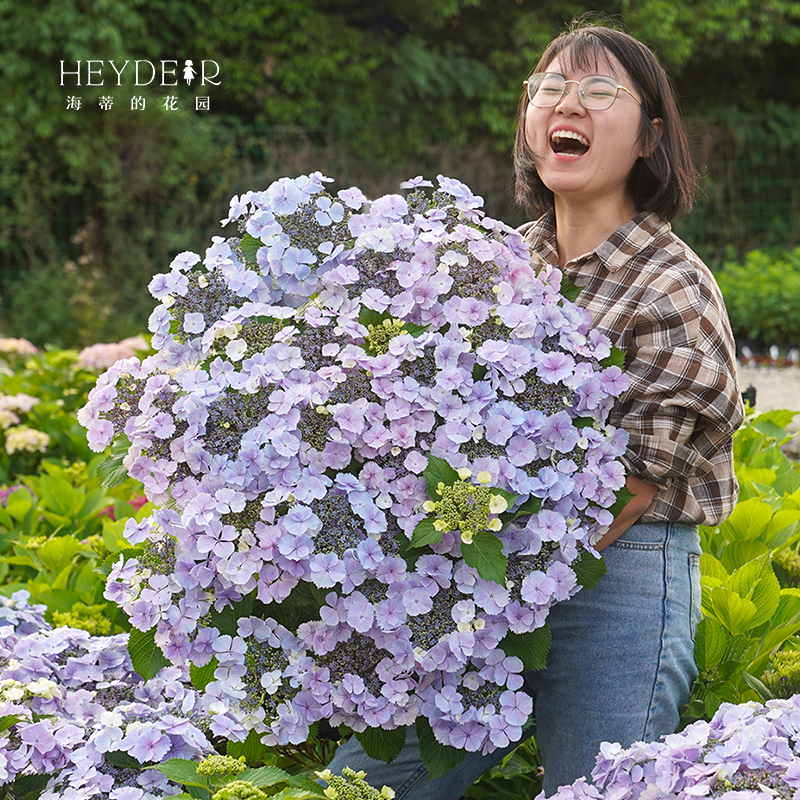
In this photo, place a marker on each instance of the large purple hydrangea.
(379, 442)
(746, 752)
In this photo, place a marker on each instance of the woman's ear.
(649, 147)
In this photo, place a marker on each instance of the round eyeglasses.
(595, 92)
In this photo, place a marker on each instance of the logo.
(139, 73)
(95, 72)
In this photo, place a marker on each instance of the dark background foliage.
(93, 202)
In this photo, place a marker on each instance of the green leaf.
(485, 554)
(107, 564)
(266, 776)
(569, 289)
(227, 620)
(381, 744)
(146, 657)
(9, 720)
(111, 471)
(712, 567)
(438, 758)
(531, 648)
(733, 611)
(615, 359)
(438, 471)
(250, 246)
(58, 552)
(624, 496)
(425, 533)
(748, 520)
(202, 676)
(182, 771)
(119, 758)
(710, 642)
(736, 554)
(589, 569)
(530, 506)
(368, 316)
(251, 748)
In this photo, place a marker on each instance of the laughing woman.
(602, 159)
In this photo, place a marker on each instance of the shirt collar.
(614, 253)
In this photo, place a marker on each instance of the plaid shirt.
(659, 303)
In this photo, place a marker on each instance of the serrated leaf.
(10, 719)
(146, 657)
(119, 758)
(264, 776)
(250, 246)
(252, 748)
(589, 569)
(107, 564)
(569, 290)
(202, 676)
(182, 771)
(615, 359)
(112, 471)
(425, 533)
(531, 648)
(530, 506)
(381, 744)
(711, 641)
(624, 496)
(369, 316)
(438, 471)
(438, 758)
(485, 554)
(227, 620)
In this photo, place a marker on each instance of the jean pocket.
(695, 593)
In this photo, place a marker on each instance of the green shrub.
(761, 297)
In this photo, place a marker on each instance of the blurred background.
(101, 185)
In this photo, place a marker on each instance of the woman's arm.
(642, 496)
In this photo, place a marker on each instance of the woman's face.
(596, 169)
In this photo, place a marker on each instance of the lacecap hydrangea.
(379, 442)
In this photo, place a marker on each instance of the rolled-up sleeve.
(683, 405)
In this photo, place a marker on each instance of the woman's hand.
(643, 493)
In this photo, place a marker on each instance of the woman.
(601, 157)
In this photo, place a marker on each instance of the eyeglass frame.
(527, 84)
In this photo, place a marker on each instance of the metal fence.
(749, 198)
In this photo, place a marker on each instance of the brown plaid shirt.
(659, 303)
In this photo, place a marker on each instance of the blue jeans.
(620, 669)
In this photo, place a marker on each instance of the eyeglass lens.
(594, 91)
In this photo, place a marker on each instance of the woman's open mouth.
(568, 143)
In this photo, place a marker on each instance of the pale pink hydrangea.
(17, 347)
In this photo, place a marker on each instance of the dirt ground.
(776, 387)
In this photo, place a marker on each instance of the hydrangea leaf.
(530, 506)
(227, 620)
(108, 562)
(615, 359)
(250, 247)
(569, 289)
(182, 771)
(112, 471)
(146, 656)
(589, 569)
(531, 648)
(383, 745)
(425, 534)
(438, 471)
(485, 553)
(710, 642)
(119, 758)
(438, 758)
(202, 676)
(624, 496)
(10, 719)
(251, 748)
(264, 776)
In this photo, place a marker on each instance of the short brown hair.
(663, 181)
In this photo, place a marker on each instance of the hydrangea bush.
(379, 442)
(746, 752)
(73, 709)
